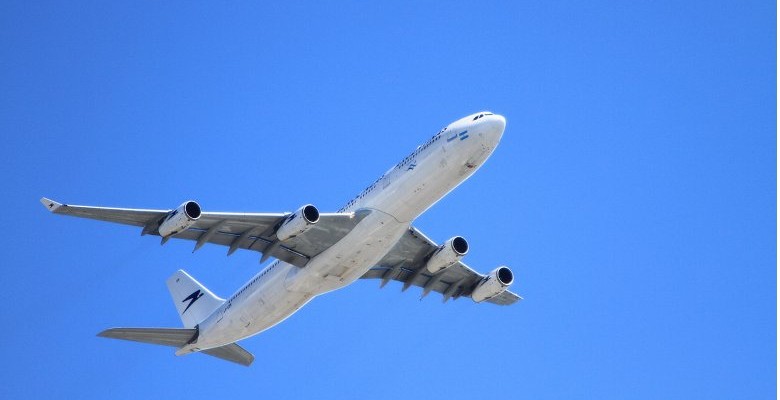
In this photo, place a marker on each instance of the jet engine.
(496, 282)
(298, 222)
(449, 253)
(179, 219)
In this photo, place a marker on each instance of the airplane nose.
(494, 125)
(498, 122)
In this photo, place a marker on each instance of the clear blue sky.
(633, 193)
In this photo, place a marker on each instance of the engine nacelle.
(179, 219)
(298, 222)
(496, 283)
(449, 253)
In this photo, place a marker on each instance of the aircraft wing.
(406, 263)
(251, 231)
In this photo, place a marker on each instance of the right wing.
(251, 231)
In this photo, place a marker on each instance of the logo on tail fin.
(192, 298)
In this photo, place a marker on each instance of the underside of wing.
(258, 232)
(251, 231)
(407, 261)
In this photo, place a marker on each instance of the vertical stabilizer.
(193, 301)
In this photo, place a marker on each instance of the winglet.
(50, 204)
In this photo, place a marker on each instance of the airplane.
(371, 237)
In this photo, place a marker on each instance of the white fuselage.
(395, 200)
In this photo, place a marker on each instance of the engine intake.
(496, 282)
(179, 219)
(448, 254)
(298, 222)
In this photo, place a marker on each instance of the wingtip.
(50, 204)
(105, 333)
(248, 362)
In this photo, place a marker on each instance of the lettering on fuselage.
(409, 163)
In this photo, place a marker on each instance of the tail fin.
(193, 301)
(178, 337)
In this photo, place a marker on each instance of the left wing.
(251, 231)
(406, 263)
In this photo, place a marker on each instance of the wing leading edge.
(250, 231)
(406, 263)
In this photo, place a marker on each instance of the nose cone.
(493, 126)
(496, 123)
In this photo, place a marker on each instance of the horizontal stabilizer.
(175, 337)
(178, 337)
(232, 352)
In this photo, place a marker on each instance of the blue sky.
(633, 193)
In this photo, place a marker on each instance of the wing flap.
(504, 299)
